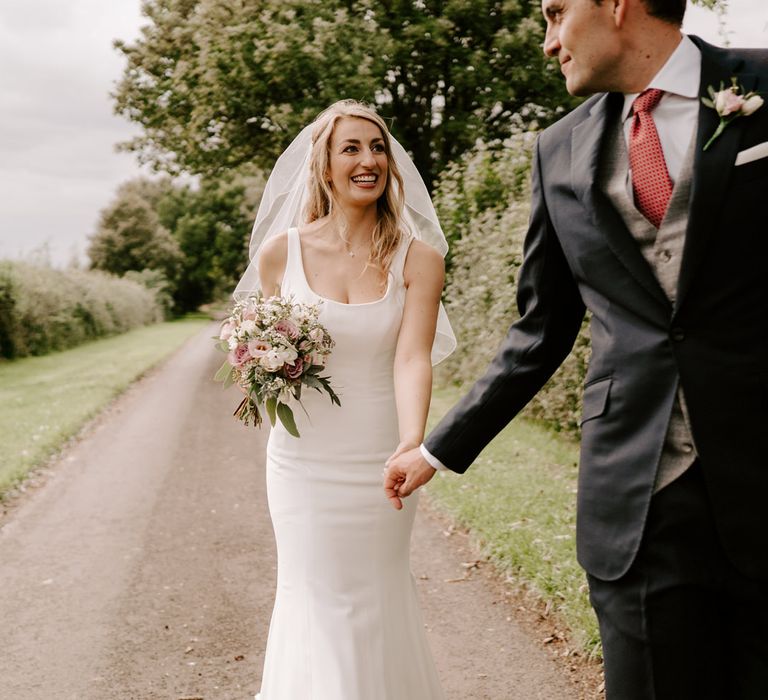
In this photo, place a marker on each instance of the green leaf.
(271, 405)
(312, 381)
(285, 414)
(224, 373)
(331, 393)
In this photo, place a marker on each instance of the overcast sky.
(58, 166)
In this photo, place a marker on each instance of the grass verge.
(46, 400)
(518, 501)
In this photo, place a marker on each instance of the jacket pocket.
(596, 398)
(752, 170)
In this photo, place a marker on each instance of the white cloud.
(57, 127)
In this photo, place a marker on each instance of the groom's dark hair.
(671, 11)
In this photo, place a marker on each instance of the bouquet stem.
(247, 411)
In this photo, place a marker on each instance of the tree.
(218, 83)
(195, 236)
(130, 237)
(212, 225)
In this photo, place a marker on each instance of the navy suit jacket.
(714, 341)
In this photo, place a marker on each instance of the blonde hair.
(321, 198)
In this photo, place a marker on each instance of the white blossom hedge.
(483, 203)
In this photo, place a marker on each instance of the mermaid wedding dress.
(346, 623)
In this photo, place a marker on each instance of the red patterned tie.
(650, 179)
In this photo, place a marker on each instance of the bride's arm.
(424, 276)
(272, 260)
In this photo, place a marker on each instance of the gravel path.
(143, 566)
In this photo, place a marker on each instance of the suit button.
(678, 334)
(665, 255)
(687, 447)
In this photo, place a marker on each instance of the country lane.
(144, 567)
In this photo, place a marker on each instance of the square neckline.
(300, 262)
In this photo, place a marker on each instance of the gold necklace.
(349, 249)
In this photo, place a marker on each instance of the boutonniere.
(730, 103)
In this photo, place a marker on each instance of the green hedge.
(43, 309)
(484, 203)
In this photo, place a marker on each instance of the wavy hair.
(321, 199)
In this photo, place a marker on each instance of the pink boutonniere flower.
(730, 103)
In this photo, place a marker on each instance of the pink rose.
(728, 102)
(239, 356)
(295, 370)
(227, 329)
(288, 328)
(257, 348)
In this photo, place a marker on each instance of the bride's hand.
(404, 446)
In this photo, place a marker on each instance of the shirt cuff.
(433, 461)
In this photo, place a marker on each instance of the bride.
(346, 222)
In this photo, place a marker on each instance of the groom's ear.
(620, 10)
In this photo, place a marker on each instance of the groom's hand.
(405, 472)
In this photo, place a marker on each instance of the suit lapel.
(712, 168)
(586, 141)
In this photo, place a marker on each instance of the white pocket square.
(754, 153)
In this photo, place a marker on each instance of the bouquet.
(274, 348)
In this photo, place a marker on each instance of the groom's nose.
(551, 41)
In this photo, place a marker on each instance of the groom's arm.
(551, 312)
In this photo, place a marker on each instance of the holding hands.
(406, 470)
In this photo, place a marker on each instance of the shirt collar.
(680, 75)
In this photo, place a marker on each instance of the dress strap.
(293, 244)
(293, 257)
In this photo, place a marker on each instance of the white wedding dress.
(346, 623)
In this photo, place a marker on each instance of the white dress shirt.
(675, 117)
(677, 113)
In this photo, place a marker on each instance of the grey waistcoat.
(663, 249)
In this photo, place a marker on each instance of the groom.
(666, 243)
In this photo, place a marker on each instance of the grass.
(46, 400)
(518, 501)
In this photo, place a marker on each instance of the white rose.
(248, 326)
(287, 355)
(232, 342)
(271, 361)
(752, 104)
(721, 99)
